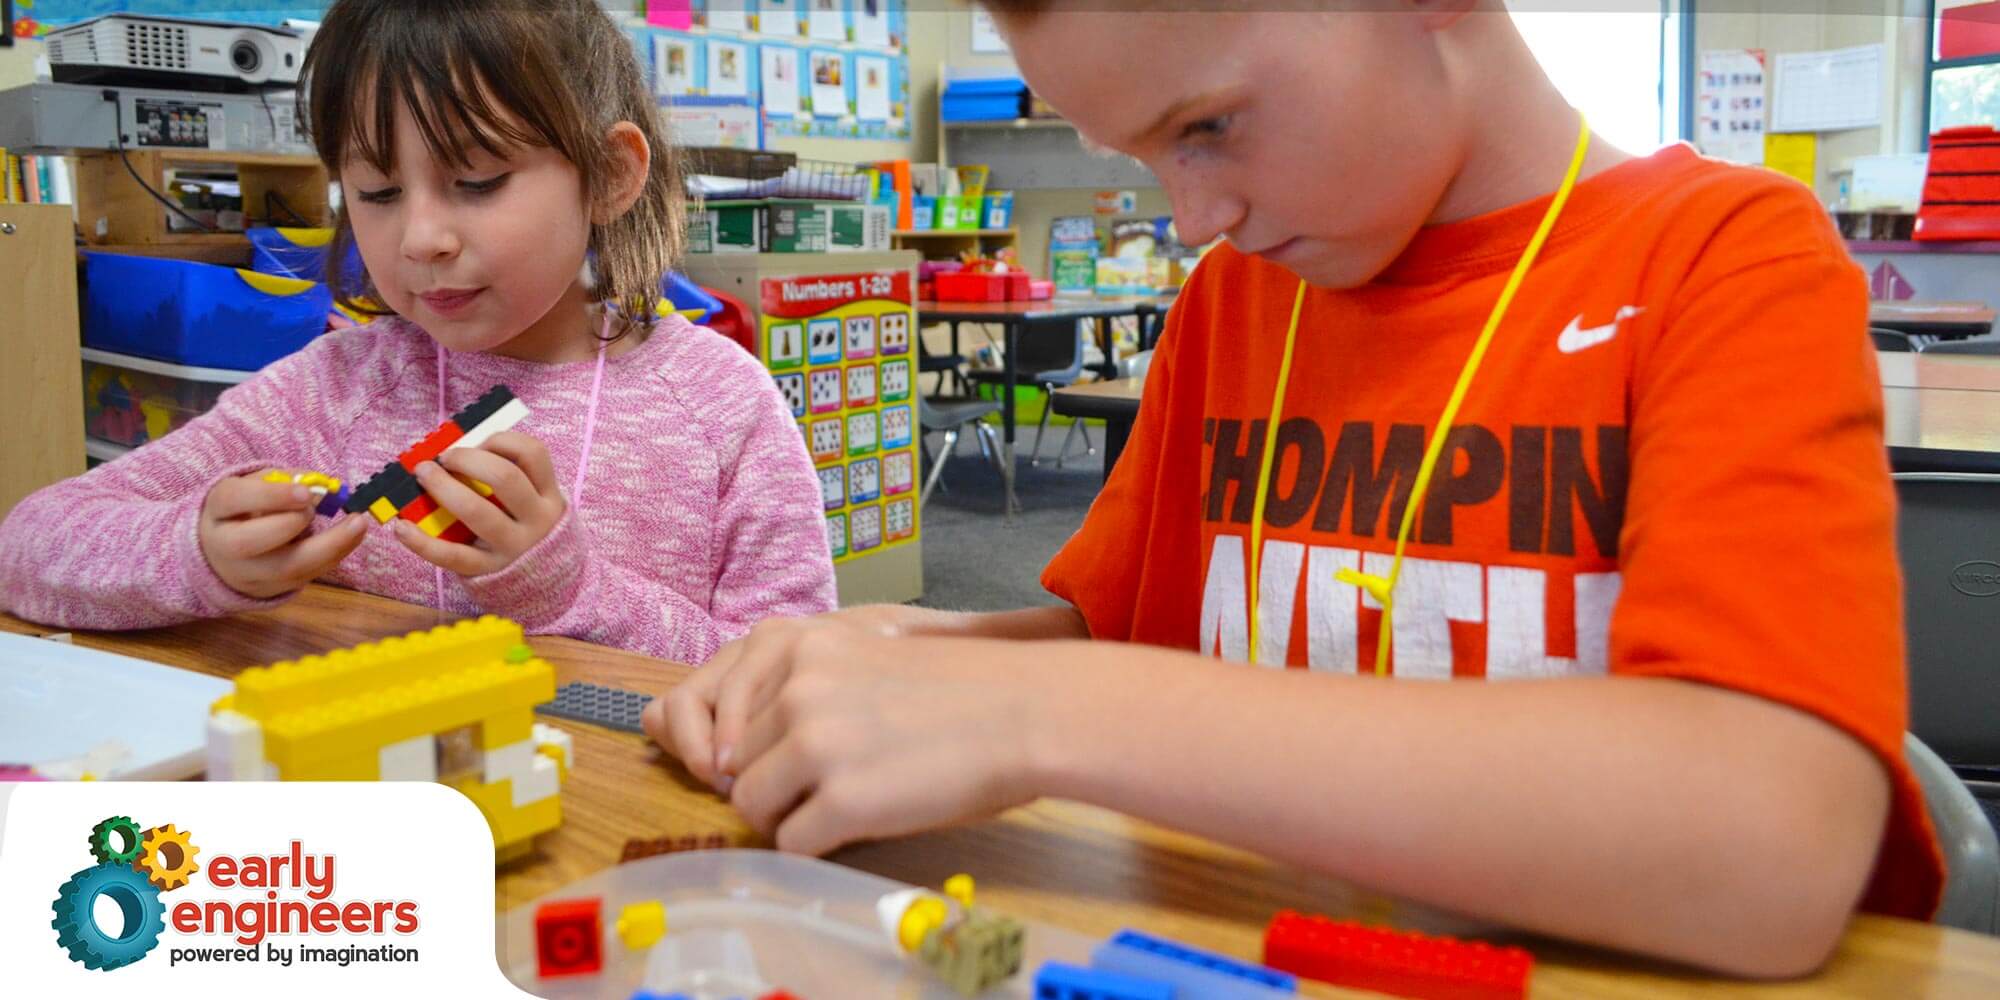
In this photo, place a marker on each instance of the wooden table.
(1114, 401)
(1059, 863)
(1057, 317)
(1943, 320)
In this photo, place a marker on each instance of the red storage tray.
(1962, 189)
(962, 287)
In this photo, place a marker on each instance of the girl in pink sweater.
(657, 497)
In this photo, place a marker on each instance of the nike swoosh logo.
(1576, 337)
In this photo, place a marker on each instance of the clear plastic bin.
(809, 927)
(130, 401)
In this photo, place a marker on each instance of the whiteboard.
(59, 702)
(1826, 91)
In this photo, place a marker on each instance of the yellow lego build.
(377, 712)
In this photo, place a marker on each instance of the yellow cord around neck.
(1382, 588)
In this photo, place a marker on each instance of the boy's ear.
(1444, 13)
(633, 159)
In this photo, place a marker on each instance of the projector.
(176, 52)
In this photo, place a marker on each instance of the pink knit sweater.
(699, 516)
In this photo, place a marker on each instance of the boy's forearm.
(1059, 621)
(1665, 817)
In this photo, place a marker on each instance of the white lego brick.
(414, 759)
(541, 781)
(235, 747)
(502, 419)
(546, 735)
(510, 761)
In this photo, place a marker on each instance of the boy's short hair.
(497, 73)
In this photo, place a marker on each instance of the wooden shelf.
(299, 160)
(234, 252)
(933, 234)
(1015, 123)
(102, 450)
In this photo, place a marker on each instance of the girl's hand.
(257, 536)
(518, 469)
(850, 734)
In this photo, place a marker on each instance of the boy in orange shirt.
(1664, 502)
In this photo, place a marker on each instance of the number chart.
(840, 348)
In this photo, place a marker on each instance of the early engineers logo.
(133, 868)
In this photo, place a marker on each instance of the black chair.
(942, 365)
(1891, 340)
(950, 416)
(1051, 357)
(1986, 346)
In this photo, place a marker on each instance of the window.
(1962, 72)
(1624, 69)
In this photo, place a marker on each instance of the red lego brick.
(569, 937)
(430, 447)
(458, 533)
(416, 510)
(777, 995)
(1404, 964)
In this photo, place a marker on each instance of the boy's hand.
(257, 536)
(518, 469)
(847, 734)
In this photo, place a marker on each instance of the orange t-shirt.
(1670, 465)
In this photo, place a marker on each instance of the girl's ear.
(632, 159)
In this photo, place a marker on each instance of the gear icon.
(106, 836)
(166, 858)
(76, 926)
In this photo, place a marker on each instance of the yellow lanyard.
(1383, 588)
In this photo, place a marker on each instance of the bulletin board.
(823, 68)
(841, 348)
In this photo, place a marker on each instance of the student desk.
(1075, 866)
(1057, 316)
(1114, 401)
(1943, 320)
(1941, 412)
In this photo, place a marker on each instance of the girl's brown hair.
(553, 73)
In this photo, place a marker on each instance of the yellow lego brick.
(555, 753)
(496, 731)
(292, 685)
(642, 925)
(435, 523)
(383, 510)
(346, 767)
(477, 487)
(514, 828)
(429, 705)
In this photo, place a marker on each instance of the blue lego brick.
(598, 705)
(1192, 971)
(1057, 981)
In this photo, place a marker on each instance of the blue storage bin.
(201, 315)
(994, 99)
(680, 295)
(296, 253)
(923, 211)
(999, 210)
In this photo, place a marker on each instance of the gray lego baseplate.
(599, 705)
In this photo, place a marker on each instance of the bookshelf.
(41, 421)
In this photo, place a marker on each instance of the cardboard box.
(854, 227)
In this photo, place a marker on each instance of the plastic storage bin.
(296, 253)
(923, 211)
(999, 210)
(741, 923)
(198, 314)
(998, 99)
(130, 401)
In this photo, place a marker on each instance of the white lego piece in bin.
(539, 783)
(546, 735)
(414, 759)
(510, 761)
(235, 747)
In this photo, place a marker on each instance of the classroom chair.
(1891, 340)
(949, 416)
(1973, 345)
(1051, 357)
(1965, 835)
(1948, 542)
